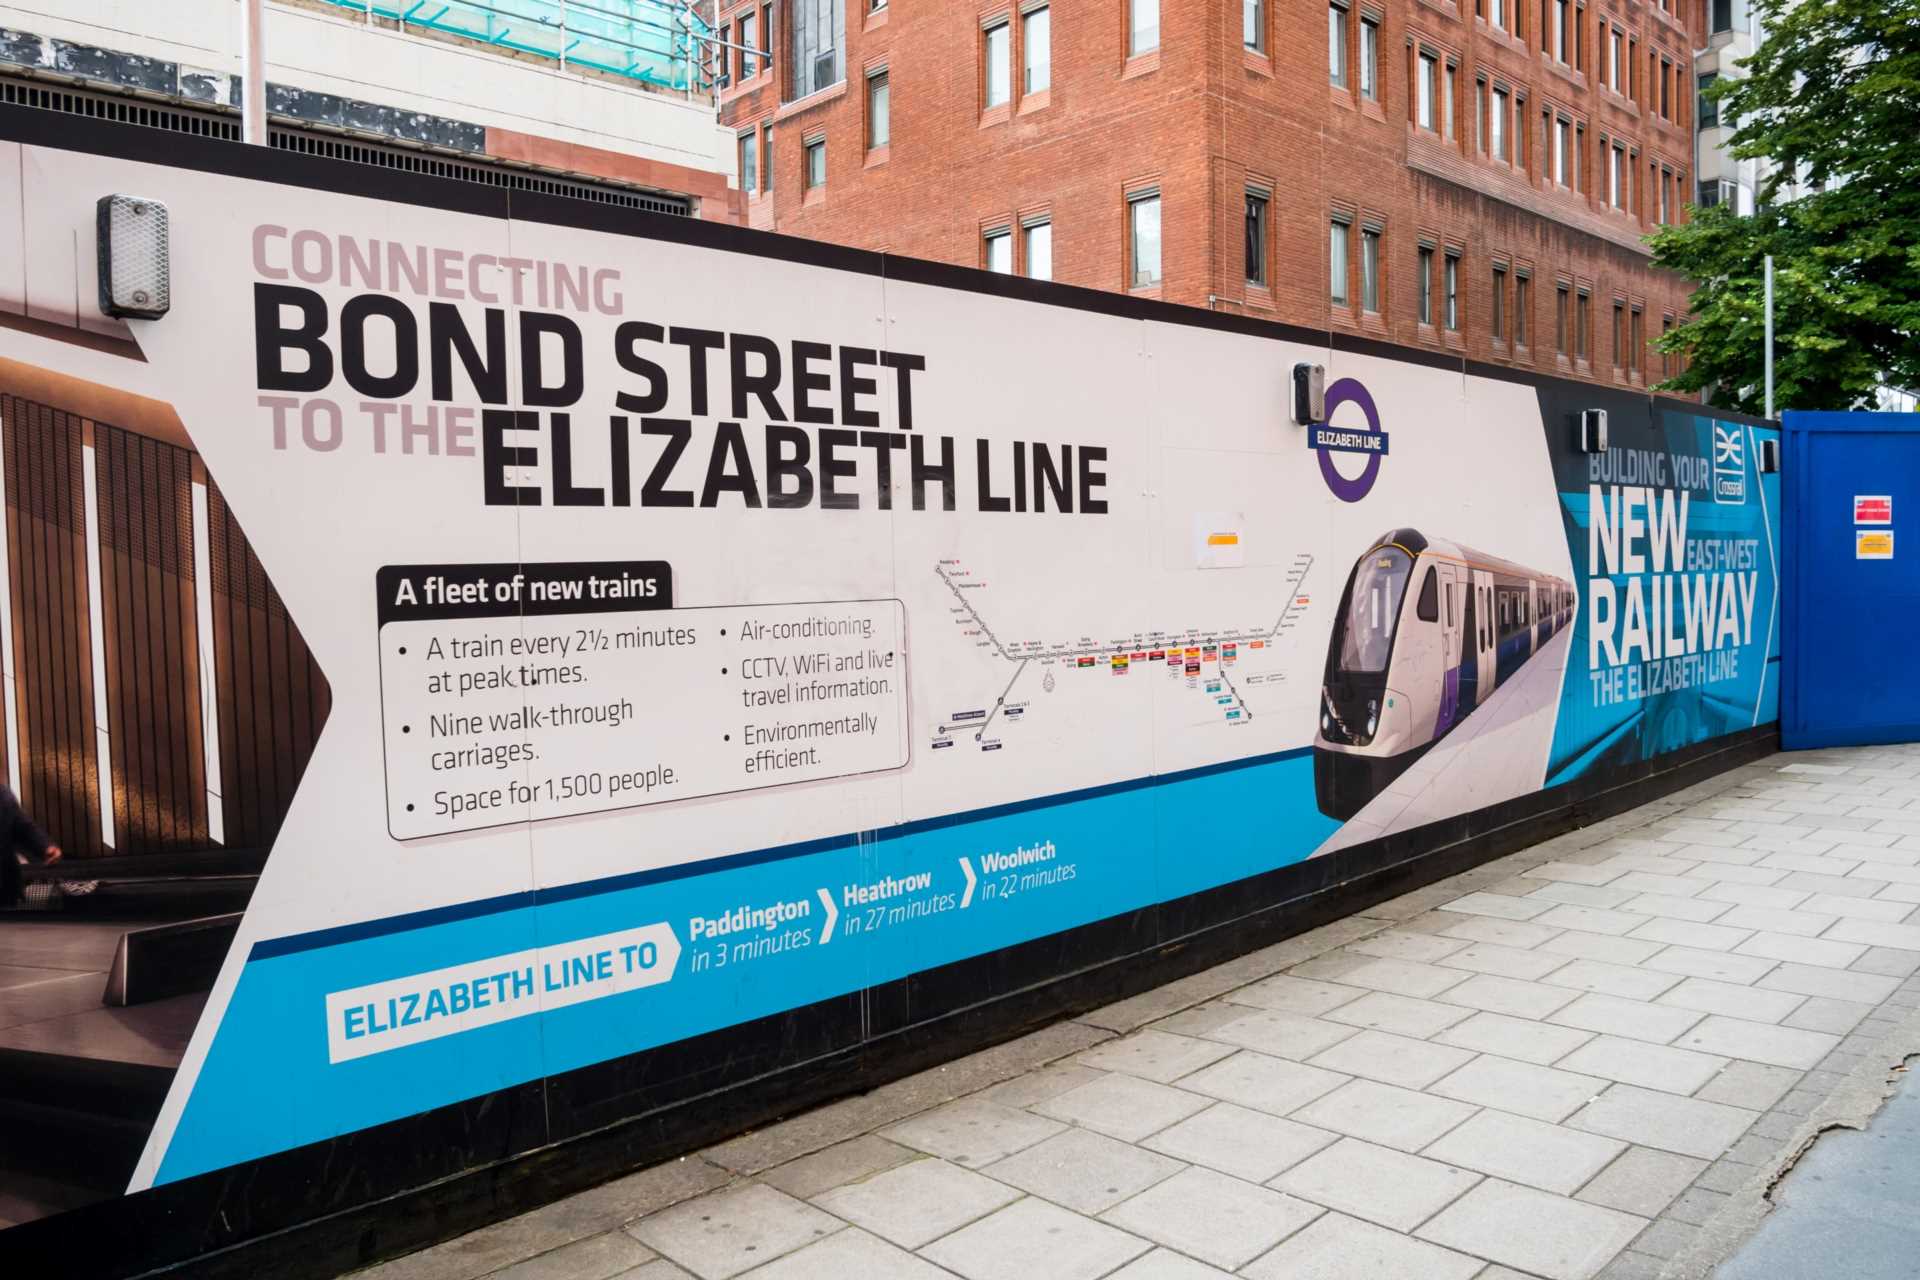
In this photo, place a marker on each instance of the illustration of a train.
(1426, 631)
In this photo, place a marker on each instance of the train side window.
(1451, 589)
(1428, 609)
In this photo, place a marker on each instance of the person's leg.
(11, 878)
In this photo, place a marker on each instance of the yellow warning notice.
(1873, 544)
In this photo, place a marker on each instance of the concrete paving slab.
(1086, 1172)
(1236, 1140)
(1379, 1184)
(917, 1202)
(1034, 1238)
(1213, 1217)
(1336, 1247)
(1543, 1234)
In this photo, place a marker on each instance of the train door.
(1453, 705)
(1536, 624)
(1489, 636)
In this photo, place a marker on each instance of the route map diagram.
(1205, 659)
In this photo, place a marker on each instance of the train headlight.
(1326, 723)
(1373, 718)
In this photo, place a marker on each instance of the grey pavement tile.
(972, 1131)
(1696, 910)
(1532, 1152)
(1284, 1035)
(1401, 977)
(1840, 886)
(1642, 1181)
(1888, 961)
(914, 1203)
(1759, 1042)
(1032, 1237)
(1636, 1019)
(724, 1233)
(1391, 1059)
(1836, 1017)
(1154, 1055)
(1627, 981)
(1814, 863)
(1336, 1247)
(1165, 1264)
(1403, 1015)
(849, 1253)
(1382, 1185)
(1237, 1140)
(1733, 999)
(1289, 994)
(1521, 1038)
(1724, 872)
(661, 1269)
(1834, 984)
(1754, 895)
(1600, 946)
(1592, 919)
(1649, 1118)
(1803, 924)
(1384, 1114)
(1573, 873)
(1506, 962)
(1651, 1066)
(1505, 933)
(1124, 1107)
(1813, 951)
(1404, 944)
(1651, 882)
(1907, 893)
(1498, 906)
(1666, 1238)
(1697, 1205)
(1084, 1171)
(1533, 1231)
(1510, 996)
(1753, 1085)
(1578, 895)
(1876, 933)
(1682, 933)
(1054, 1078)
(1215, 1218)
(1263, 1083)
(594, 1258)
(838, 1165)
(1524, 1088)
(1721, 966)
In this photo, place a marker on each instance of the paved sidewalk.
(1589, 1058)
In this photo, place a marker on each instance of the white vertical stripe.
(203, 630)
(1773, 614)
(10, 706)
(97, 636)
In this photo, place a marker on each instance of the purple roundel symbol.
(1349, 391)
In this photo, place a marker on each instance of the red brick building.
(1463, 175)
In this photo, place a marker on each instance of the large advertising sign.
(712, 628)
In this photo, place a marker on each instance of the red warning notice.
(1873, 509)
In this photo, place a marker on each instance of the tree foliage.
(1832, 98)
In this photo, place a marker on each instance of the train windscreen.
(1373, 608)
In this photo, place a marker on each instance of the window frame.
(878, 81)
(1339, 44)
(1340, 260)
(1423, 306)
(1135, 201)
(1000, 25)
(1372, 245)
(1028, 226)
(1142, 39)
(1028, 15)
(1257, 237)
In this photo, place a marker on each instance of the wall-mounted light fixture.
(135, 258)
(1309, 394)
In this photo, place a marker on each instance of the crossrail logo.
(1328, 438)
(1729, 465)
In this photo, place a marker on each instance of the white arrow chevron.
(833, 917)
(966, 868)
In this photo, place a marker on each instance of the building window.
(1143, 238)
(879, 110)
(1337, 263)
(1616, 161)
(1560, 32)
(1370, 269)
(1256, 238)
(1370, 58)
(817, 27)
(1563, 152)
(1446, 100)
(1501, 106)
(998, 49)
(1522, 307)
(749, 38)
(1583, 325)
(1480, 116)
(814, 163)
(766, 157)
(1637, 341)
(1722, 16)
(1497, 13)
(750, 160)
(1425, 269)
(1337, 44)
(1562, 300)
(1497, 313)
(1036, 46)
(766, 27)
(1037, 246)
(1709, 107)
(1450, 292)
(1426, 88)
(1613, 59)
(1619, 336)
(997, 251)
(1143, 27)
(1253, 25)
(1666, 357)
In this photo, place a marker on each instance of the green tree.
(1832, 98)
